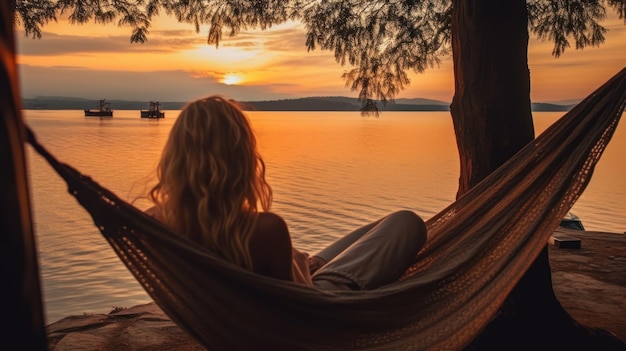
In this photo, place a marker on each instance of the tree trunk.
(22, 310)
(491, 105)
(492, 119)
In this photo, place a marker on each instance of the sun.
(231, 79)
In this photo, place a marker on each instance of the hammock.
(478, 249)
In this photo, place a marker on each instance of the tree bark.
(23, 306)
(491, 105)
(492, 118)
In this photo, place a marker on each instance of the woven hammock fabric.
(477, 250)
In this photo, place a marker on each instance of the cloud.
(289, 37)
(174, 85)
(52, 44)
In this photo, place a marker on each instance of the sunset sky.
(97, 61)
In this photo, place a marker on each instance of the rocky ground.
(589, 281)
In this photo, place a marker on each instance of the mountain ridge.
(313, 103)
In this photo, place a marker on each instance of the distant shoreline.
(328, 103)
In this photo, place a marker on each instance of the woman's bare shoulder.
(270, 247)
(272, 227)
(271, 220)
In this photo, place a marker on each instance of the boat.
(153, 111)
(571, 221)
(104, 110)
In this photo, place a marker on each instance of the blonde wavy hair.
(211, 179)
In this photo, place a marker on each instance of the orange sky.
(176, 64)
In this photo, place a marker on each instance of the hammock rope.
(477, 250)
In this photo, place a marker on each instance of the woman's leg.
(340, 245)
(379, 256)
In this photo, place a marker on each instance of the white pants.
(373, 255)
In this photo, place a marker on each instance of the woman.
(211, 188)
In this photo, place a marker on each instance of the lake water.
(330, 171)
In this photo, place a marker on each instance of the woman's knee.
(416, 228)
(408, 218)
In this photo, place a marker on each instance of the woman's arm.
(270, 247)
(273, 254)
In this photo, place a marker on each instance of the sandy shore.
(590, 283)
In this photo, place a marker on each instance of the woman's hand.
(300, 269)
(315, 263)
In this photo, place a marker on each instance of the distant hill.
(320, 103)
(340, 103)
(547, 107)
(71, 103)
